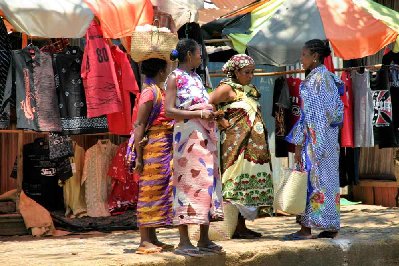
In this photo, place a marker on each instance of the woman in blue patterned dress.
(316, 138)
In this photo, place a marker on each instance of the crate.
(377, 192)
(12, 224)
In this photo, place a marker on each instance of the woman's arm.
(175, 113)
(139, 130)
(223, 93)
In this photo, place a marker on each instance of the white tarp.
(182, 11)
(48, 18)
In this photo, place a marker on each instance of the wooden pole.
(20, 165)
(216, 41)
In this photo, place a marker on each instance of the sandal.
(144, 250)
(255, 234)
(213, 248)
(248, 235)
(191, 252)
(327, 234)
(296, 236)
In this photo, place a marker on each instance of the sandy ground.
(366, 231)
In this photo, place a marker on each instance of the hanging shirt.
(363, 109)
(36, 100)
(71, 95)
(295, 113)
(74, 196)
(347, 99)
(280, 112)
(99, 77)
(5, 61)
(41, 175)
(384, 130)
(97, 182)
(124, 190)
(121, 122)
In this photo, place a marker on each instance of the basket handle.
(156, 21)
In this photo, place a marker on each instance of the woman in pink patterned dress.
(197, 190)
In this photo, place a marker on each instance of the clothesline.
(295, 71)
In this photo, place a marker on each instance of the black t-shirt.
(383, 127)
(41, 175)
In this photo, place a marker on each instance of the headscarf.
(236, 62)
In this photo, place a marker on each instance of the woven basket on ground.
(222, 230)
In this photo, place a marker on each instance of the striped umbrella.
(279, 29)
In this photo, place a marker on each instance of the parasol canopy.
(279, 29)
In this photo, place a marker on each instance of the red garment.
(124, 189)
(121, 123)
(147, 95)
(347, 99)
(294, 115)
(328, 62)
(98, 75)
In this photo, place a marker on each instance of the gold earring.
(314, 60)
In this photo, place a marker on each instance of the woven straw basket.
(152, 44)
(290, 194)
(219, 231)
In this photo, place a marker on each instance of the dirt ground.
(369, 236)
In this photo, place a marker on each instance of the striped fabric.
(5, 60)
(154, 207)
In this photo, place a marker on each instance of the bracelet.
(201, 114)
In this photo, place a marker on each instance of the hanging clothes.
(41, 175)
(73, 188)
(383, 127)
(280, 112)
(295, 112)
(347, 138)
(99, 77)
(363, 109)
(121, 122)
(97, 182)
(71, 96)
(32, 75)
(5, 61)
(124, 189)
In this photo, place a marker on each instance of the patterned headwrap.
(237, 61)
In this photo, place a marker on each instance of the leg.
(146, 246)
(242, 232)
(205, 244)
(303, 234)
(156, 242)
(185, 246)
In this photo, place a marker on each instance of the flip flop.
(327, 234)
(143, 250)
(255, 234)
(191, 252)
(213, 248)
(167, 247)
(243, 236)
(296, 236)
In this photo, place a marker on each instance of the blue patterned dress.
(317, 130)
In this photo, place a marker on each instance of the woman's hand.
(138, 169)
(223, 123)
(207, 115)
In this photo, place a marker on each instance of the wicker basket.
(290, 196)
(219, 231)
(152, 44)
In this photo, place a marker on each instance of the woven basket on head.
(152, 44)
(222, 230)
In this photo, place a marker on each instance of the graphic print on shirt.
(382, 108)
(26, 104)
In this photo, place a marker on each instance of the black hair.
(152, 66)
(182, 48)
(320, 47)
